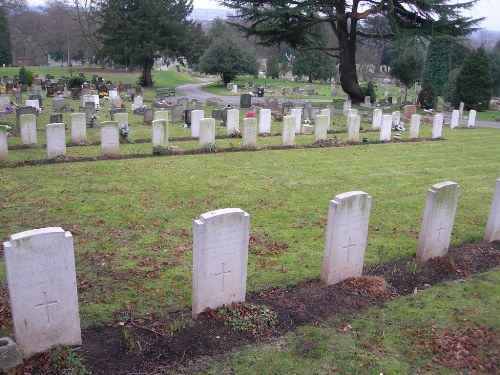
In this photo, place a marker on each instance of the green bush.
(368, 89)
(30, 76)
(427, 97)
(76, 81)
(23, 76)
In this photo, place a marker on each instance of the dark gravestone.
(389, 100)
(148, 116)
(287, 107)
(56, 118)
(18, 97)
(89, 112)
(24, 88)
(187, 117)
(51, 91)
(24, 111)
(75, 93)
(37, 97)
(217, 114)
(273, 105)
(245, 101)
(116, 110)
(127, 86)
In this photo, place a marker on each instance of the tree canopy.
(407, 68)
(293, 21)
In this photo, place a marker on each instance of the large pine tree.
(5, 46)
(438, 63)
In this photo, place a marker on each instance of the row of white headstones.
(40, 264)
(204, 129)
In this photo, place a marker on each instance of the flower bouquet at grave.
(8, 110)
(235, 134)
(125, 133)
(103, 94)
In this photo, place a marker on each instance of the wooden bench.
(165, 91)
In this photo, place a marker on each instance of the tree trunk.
(147, 67)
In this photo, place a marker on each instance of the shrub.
(76, 81)
(427, 97)
(23, 77)
(30, 76)
(368, 89)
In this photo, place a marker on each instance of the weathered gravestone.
(414, 126)
(89, 113)
(233, 121)
(320, 128)
(346, 235)
(196, 117)
(138, 103)
(56, 140)
(385, 130)
(36, 97)
(183, 102)
(352, 112)
(297, 114)
(245, 101)
(273, 105)
(24, 111)
(346, 107)
(377, 119)
(114, 111)
(177, 113)
(309, 113)
(265, 121)
(161, 115)
(472, 119)
(32, 103)
(217, 114)
(367, 102)
(409, 111)
(78, 128)
(40, 268)
(461, 110)
(110, 138)
(249, 132)
(353, 125)
(56, 118)
(28, 129)
(207, 132)
(396, 118)
(288, 132)
(4, 102)
(159, 133)
(18, 97)
(58, 104)
(148, 116)
(327, 112)
(439, 215)
(121, 119)
(4, 146)
(492, 232)
(455, 114)
(437, 126)
(220, 255)
(287, 108)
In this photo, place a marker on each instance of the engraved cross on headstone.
(222, 274)
(46, 305)
(439, 230)
(348, 247)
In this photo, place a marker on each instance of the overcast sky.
(490, 9)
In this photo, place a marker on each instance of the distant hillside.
(201, 15)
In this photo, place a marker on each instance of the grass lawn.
(403, 337)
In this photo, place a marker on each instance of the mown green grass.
(132, 219)
(378, 341)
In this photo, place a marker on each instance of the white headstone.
(41, 278)
(110, 138)
(346, 106)
(385, 130)
(91, 98)
(113, 94)
(414, 126)
(396, 118)
(121, 119)
(368, 101)
(160, 115)
(78, 128)
(28, 129)
(220, 255)
(56, 140)
(159, 130)
(321, 128)
(196, 116)
(353, 125)
(493, 226)
(207, 132)
(472, 119)
(265, 121)
(233, 121)
(352, 112)
(327, 112)
(377, 119)
(138, 102)
(439, 215)
(4, 146)
(346, 235)
(288, 131)
(250, 132)
(297, 114)
(234, 88)
(454, 119)
(437, 126)
(461, 110)
(33, 103)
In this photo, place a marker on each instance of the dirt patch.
(143, 344)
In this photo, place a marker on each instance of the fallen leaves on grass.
(373, 285)
(262, 247)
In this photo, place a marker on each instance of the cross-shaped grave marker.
(222, 274)
(348, 247)
(440, 229)
(46, 305)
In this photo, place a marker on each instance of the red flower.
(250, 114)
(122, 105)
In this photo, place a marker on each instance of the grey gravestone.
(37, 97)
(24, 111)
(89, 112)
(273, 105)
(58, 104)
(148, 116)
(56, 118)
(492, 232)
(18, 97)
(217, 114)
(287, 107)
(177, 112)
(24, 88)
(116, 110)
(75, 93)
(245, 101)
(4, 102)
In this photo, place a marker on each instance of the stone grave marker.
(472, 119)
(196, 116)
(234, 89)
(367, 101)
(250, 132)
(461, 110)
(32, 103)
(4, 102)
(110, 138)
(309, 113)
(177, 113)
(439, 215)
(36, 97)
(437, 126)
(385, 130)
(455, 114)
(184, 102)
(4, 145)
(161, 115)
(78, 128)
(217, 114)
(138, 103)
(56, 118)
(320, 128)
(396, 118)
(56, 140)
(492, 232)
(346, 236)
(89, 112)
(326, 112)
(41, 278)
(288, 132)
(148, 116)
(245, 101)
(18, 97)
(352, 112)
(409, 111)
(58, 104)
(37, 90)
(265, 121)
(353, 125)
(113, 94)
(207, 132)
(233, 121)
(273, 105)
(159, 133)
(287, 108)
(346, 106)
(377, 119)
(122, 119)
(297, 114)
(220, 256)
(113, 111)
(28, 129)
(24, 111)
(414, 126)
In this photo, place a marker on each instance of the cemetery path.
(178, 343)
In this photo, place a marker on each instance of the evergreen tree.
(474, 82)
(313, 64)
(450, 86)
(272, 68)
(5, 46)
(23, 76)
(438, 64)
(494, 56)
(407, 68)
(427, 96)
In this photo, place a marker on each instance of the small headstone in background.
(148, 116)
(409, 111)
(122, 119)
(4, 102)
(245, 101)
(36, 97)
(184, 102)
(461, 110)
(89, 112)
(346, 235)
(32, 103)
(177, 113)
(113, 111)
(346, 107)
(58, 104)
(437, 224)
(492, 232)
(56, 118)
(273, 105)
(24, 111)
(217, 114)
(396, 118)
